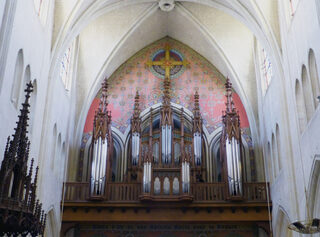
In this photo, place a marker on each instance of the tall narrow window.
(266, 68)
(66, 67)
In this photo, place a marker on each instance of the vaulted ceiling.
(110, 32)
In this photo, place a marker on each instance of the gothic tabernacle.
(20, 212)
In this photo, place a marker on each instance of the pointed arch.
(314, 77)
(307, 92)
(300, 107)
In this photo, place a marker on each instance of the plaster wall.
(298, 150)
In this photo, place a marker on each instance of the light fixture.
(306, 227)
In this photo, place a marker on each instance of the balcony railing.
(130, 192)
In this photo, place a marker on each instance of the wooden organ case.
(166, 172)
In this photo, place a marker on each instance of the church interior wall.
(109, 47)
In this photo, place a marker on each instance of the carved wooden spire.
(231, 118)
(197, 121)
(136, 121)
(102, 117)
(24, 214)
(166, 109)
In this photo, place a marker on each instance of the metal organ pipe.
(99, 163)
(234, 166)
(135, 148)
(197, 148)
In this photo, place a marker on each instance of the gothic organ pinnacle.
(231, 146)
(101, 147)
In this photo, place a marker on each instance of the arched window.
(307, 93)
(300, 107)
(17, 79)
(266, 69)
(66, 67)
(314, 77)
(278, 138)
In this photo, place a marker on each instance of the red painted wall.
(133, 75)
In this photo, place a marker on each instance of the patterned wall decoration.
(199, 76)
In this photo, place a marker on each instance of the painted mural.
(199, 75)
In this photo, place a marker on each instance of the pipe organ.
(231, 149)
(166, 151)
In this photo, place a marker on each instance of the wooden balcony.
(130, 193)
(124, 203)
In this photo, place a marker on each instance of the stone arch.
(17, 78)
(314, 77)
(307, 92)
(302, 119)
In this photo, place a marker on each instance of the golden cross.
(167, 63)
